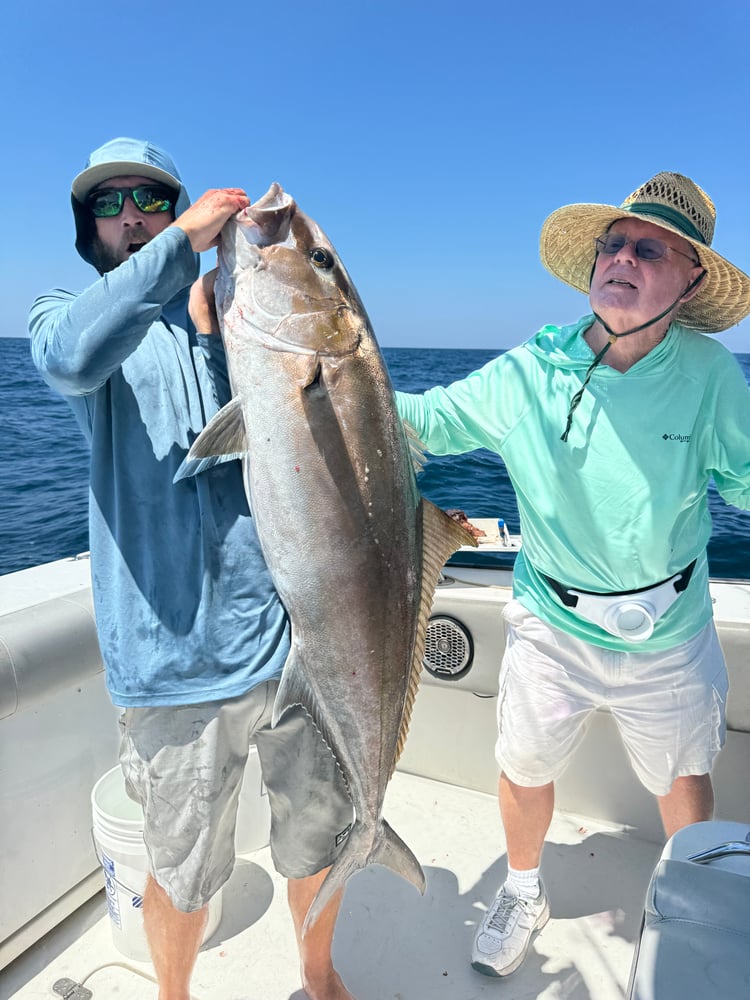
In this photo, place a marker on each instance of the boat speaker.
(448, 648)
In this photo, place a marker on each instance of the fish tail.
(388, 850)
(396, 855)
(333, 883)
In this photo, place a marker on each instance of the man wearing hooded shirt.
(610, 430)
(192, 633)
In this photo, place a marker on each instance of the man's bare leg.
(174, 938)
(689, 800)
(527, 814)
(319, 978)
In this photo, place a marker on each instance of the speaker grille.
(448, 649)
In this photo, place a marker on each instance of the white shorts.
(669, 706)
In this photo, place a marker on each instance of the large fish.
(354, 551)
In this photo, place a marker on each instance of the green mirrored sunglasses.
(150, 198)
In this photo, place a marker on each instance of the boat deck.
(390, 942)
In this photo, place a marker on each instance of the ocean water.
(44, 467)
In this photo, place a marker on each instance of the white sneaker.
(504, 936)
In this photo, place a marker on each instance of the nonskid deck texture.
(391, 943)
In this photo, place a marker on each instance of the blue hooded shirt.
(186, 610)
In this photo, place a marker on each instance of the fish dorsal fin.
(224, 434)
(441, 537)
(416, 448)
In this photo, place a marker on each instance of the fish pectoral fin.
(311, 376)
(441, 537)
(224, 434)
(194, 466)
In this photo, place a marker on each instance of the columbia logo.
(684, 438)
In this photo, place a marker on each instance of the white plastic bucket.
(254, 811)
(118, 836)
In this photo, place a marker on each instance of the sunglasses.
(645, 248)
(149, 198)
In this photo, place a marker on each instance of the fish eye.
(320, 257)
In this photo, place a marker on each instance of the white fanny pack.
(630, 614)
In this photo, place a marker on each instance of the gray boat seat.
(695, 939)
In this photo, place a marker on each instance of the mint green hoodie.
(623, 503)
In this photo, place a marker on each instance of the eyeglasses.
(149, 198)
(645, 248)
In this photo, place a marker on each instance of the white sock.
(523, 883)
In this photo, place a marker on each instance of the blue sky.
(429, 139)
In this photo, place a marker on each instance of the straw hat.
(674, 203)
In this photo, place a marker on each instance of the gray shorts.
(184, 764)
(669, 706)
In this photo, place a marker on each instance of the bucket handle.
(101, 862)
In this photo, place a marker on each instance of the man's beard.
(106, 259)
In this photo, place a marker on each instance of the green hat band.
(667, 214)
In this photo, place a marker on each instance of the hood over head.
(121, 157)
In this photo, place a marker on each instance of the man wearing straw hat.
(611, 429)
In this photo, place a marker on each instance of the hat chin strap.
(616, 336)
